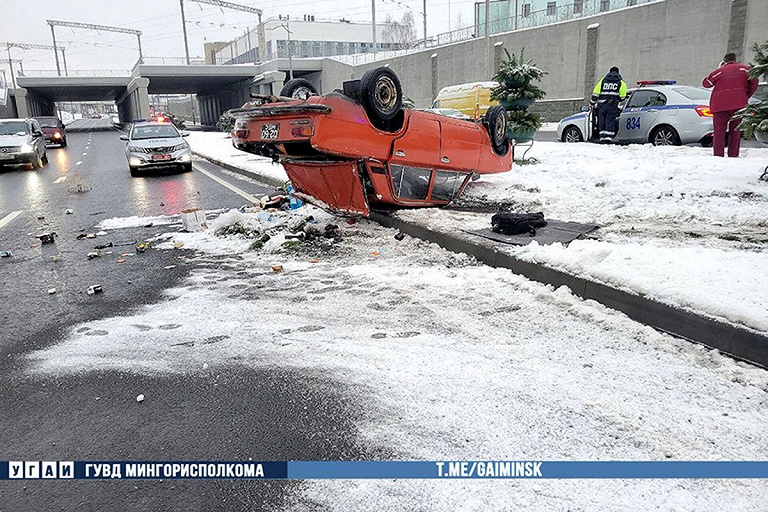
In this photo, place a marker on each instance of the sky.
(160, 23)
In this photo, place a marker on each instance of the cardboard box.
(194, 220)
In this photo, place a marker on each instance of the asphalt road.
(243, 414)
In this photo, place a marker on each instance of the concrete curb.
(738, 342)
(258, 177)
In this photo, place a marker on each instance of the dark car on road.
(22, 142)
(54, 130)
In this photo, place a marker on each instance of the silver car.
(153, 145)
(22, 142)
(658, 112)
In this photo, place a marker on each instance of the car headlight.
(27, 148)
(179, 147)
(185, 157)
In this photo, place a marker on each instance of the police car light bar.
(641, 83)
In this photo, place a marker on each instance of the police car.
(657, 111)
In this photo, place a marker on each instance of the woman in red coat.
(732, 89)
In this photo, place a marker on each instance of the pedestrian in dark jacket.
(607, 94)
(732, 89)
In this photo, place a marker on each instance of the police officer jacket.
(611, 88)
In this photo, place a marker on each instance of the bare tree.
(402, 33)
(460, 23)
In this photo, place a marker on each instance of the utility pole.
(425, 23)
(287, 28)
(487, 21)
(184, 29)
(55, 51)
(10, 63)
(373, 24)
(244, 8)
(27, 46)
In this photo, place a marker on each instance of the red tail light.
(703, 111)
(303, 131)
(241, 134)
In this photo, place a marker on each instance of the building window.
(551, 8)
(578, 6)
(605, 5)
(526, 10)
(630, 3)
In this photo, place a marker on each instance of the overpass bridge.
(218, 87)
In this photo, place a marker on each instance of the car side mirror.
(124, 137)
(185, 134)
(584, 108)
(37, 134)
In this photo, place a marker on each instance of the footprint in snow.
(215, 339)
(169, 327)
(97, 333)
(310, 328)
(142, 327)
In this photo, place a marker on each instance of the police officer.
(608, 92)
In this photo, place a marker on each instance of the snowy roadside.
(677, 224)
(453, 360)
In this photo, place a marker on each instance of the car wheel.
(572, 134)
(37, 163)
(298, 88)
(134, 171)
(496, 123)
(63, 143)
(45, 158)
(186, 168)
(381, 94)
(665, 136)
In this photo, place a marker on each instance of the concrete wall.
(670, 39)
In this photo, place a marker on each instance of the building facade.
(306, 37)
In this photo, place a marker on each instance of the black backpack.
(517, 223)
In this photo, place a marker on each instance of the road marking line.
(228, 185)
(59, 180)
(78, 162)
(8, 218)
(85, 153)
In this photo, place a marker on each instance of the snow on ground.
(677, 224)
(218, 146)
(453, 360)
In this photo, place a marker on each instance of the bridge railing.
(75, 72)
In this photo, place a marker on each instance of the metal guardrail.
(75, 72)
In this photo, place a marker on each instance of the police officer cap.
(614, 69)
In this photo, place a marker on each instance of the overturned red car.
(358, 148)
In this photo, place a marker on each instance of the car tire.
(496, 123)
(381, 94)
(572, 134)
(45, 158)
(63, 143)
(186, 168)
(299, 89)
(134, 171)
(664, 136)
(37, 163)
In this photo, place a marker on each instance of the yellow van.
(472, 99)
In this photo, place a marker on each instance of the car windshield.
(48, 122)
(13, 128)
(155, 131)
(693, 93)
(762, 92)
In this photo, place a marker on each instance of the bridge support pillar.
(134, 103)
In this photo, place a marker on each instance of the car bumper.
(50, 139)
(183, 156)
(16, 158)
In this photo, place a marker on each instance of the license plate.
(3, 156)
(269, 131)
(161, 157)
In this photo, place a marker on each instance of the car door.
(639, 115)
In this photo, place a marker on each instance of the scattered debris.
(41, 217)
(83, 236)
(47, 238)
(400, 236)
(93, 254)
(121, 260)
(69, 211)
(140, 398)
(101, 233)
(169, 267)
(178, 245)
(149, 225)
(97, 288)
(194, 220)
(314, 261)
(5, 254)
(351, 221)
(142, 247)
(55, 258)
(277, 268)
(51, 291)
(104, 246)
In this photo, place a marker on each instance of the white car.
(659, 112)
(153, 145)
